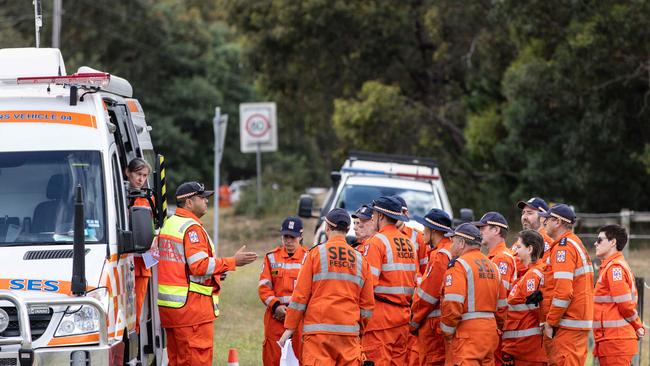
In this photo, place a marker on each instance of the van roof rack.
(392, 158)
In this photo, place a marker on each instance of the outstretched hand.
(243, 258)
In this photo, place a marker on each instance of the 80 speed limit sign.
(257, 127)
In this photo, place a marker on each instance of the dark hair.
(389, 219)
(503, 232)
(476, 243)
(617, 232)
(181, 203)
(532, 238)
(340, 228)
(137, 164)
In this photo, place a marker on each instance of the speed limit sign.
(258, 127)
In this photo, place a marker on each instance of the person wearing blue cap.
(530, 219)
(276, 283)
(416, 236)
(473, 302)
(568, 290)
(333, 299)
(363, 227)
(394, 267)
(425, 309)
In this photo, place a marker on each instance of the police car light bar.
(95, 79)
(381, 172)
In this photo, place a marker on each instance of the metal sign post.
(258, 133)
(219, 123)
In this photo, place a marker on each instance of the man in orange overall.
(522, 335)
(333, 297)
(568, 295)
(473, 303)
(279, 273)
(530, 220)
(364, 227)
(394, 263)
(494, 229)
(425, 311)
(617, 326)
(416, 237)
(188, 282)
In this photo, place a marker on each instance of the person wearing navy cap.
(363, 227)
(473, 302)
(394, 266)
(416, 236)
(425, 309)
(494, 229)
(568, 290)
(276, 283)
(530, 219)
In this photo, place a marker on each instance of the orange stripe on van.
(42, 285)
(78, 339)
(66, 118)
(133, 106)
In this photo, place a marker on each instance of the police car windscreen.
(37, 196)
(419, 202)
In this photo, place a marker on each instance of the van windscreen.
(418, 202)
(37, 196)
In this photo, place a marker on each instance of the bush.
(276, 200)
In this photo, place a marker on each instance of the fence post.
(626, 215)
(640, 287)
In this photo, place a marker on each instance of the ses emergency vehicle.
(68, 235)
(365, 177)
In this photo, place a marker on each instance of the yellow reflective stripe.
(172, 296)
(201, 289)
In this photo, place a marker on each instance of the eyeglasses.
(599, 240)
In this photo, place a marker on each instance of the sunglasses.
(599, 240)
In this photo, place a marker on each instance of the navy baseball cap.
(363, 213)
(492, 218)
(561, 212)
(338, 218)
(535, 202)
(402, 202)
(190, 189)
(467, 231)
(291, 226)
(389, 206)
(435, 219)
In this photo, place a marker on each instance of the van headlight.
(80, 321)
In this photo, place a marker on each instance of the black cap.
(389, 206)
(291, 226)
(339, 218)
(466, 231)
(494, 219)
(561, 212)
(535, 202)
(402, 201)
(191, 189)
(435, 219)
(363, 213)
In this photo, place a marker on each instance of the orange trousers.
(431, 343)
(531, 363)
(567, 348)
(477, 349)
(615, 352)
(271, 351)
(413, 356)
(142, 275)
(330, 350)
(190, 346)
(387, 347)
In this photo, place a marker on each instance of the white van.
(368, 176)
(67, 234)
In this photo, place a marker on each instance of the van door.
(125, 135)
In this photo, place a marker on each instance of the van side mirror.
(142, 228)
(305, 206)
(336, 178)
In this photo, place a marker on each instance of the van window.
(37, 196)
(118, 192)
(419, 202)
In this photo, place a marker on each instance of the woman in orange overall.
(137, 172)
(522, 335)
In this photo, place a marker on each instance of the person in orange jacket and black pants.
(473, 303)
(568, 305)
(333, 298)
(188, 279)
(277, 279)
(617, 326)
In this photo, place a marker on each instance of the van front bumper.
(87, 355)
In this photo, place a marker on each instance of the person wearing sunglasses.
(617, 326)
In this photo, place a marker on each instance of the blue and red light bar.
(390, 174)
(97, 79)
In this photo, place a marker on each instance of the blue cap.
(402, 202)
(363, 213)
(291, 226)
(467, 231)
(435, 219)
(561, 212)
(492, 218)
(339, 218)
(389, 206)
(191, 189)
(535, 202)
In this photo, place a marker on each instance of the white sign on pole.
(258, 127)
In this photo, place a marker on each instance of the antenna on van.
(38, 21)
